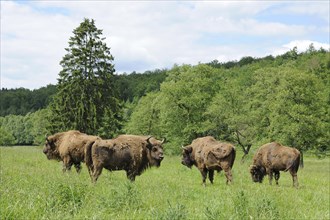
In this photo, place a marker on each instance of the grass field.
(32, 187)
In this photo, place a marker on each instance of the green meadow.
(33, 187)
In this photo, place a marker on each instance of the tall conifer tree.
(85, 98)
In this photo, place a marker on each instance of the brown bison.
(273, 158)
(208, 154)
(68, 147)
(131, 153)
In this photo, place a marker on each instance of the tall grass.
(34, 188)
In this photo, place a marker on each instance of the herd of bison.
(134, 154)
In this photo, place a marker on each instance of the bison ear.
(188, 149)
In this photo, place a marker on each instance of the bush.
(6, 138)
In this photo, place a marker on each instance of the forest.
(247, 102)
(24, 112)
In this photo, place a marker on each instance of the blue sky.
(146, 35)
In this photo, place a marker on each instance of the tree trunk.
(245, 150)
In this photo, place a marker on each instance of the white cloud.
(32, 46)
(145, 35)
(302, 46)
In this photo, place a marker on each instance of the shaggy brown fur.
(68, 147)
(273, 158)
(208, 154)
(131, 153)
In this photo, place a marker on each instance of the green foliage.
(298, 111)
(22, 101)
(185, 96)
(145, 117)
(229, 109)
(242, 62)
(86, 97)
(128, 87)
(283, 99)
(24, 130)
(136, 85)
(290, 105)
(247, 102)
(6, 138)
(177, 110)
(33, 187)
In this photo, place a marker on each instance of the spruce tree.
(85, 98)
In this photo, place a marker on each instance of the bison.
(208, 154)
(68, 147)
(273, 158)
(131, 153)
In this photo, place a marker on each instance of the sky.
(149, 35)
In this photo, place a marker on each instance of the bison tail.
(294, 165)
(233, 157)
(88, 157)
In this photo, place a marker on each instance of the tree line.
(285, 100)
(247, 102)
(129, 86)
(22, 101)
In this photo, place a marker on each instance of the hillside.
(246, 102)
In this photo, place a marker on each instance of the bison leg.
(130, 176)
(78, 167)
(204, 175)
(90, 170)
(270, 175)
(211, 175)
(277, 176)
(97, 172)
(229, 175)
(67, 164)
(294, 178)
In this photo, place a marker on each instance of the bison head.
(156, 154)
(50, 149)
(257, 173)
(187, 159)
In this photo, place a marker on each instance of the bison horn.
(163, 141)
(148, 139)
(46, 137)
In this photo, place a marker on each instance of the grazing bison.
(68, 147)
(208, 154)
(273, 158)
(131, 153)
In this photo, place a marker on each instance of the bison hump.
(221, 152)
